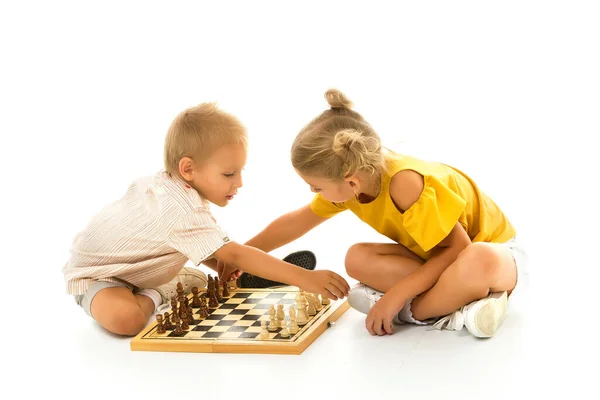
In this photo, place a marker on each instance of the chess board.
(234, 326)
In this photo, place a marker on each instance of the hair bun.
(346, 140)
(337, 99)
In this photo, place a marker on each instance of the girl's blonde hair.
(199, 131)
(338, 143)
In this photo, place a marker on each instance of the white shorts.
(518, 253)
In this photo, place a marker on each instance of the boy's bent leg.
(480, 269)
(118, 310)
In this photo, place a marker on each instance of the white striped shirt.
(144, 238)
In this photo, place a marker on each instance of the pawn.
(178, 330)
(175, 313)
(311, 305)
(195, 297)
(212, 301)
(226, 290)
(264, 333)
(217, 291)
(160, 328)
(293, 325)
(284, 330)
(273, 325)
(182, 308)
(203, 311)
(168, 324)
(174, 305)
(190, 311)
(184, 320)
(318, 304)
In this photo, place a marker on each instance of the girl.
(455, 259)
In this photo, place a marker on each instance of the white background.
(508, 92)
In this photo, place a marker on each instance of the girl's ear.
(352, 181)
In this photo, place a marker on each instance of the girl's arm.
(281, 231)
(405, 189)
(286, 229)
(425, 277)
(259, 263)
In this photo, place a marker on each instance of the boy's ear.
(186, 168)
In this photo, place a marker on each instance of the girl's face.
(334, 191)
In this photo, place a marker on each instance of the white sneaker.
(362, 297)
(189, 277)
(481, 317)
(484, 317)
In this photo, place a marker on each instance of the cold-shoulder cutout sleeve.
(433, 216)
(324, 208)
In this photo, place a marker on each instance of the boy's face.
(218, 178)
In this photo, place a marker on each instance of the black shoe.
(305, 259)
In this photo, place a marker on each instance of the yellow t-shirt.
(448, 196)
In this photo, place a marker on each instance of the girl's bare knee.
(355, 259)
(477, 265)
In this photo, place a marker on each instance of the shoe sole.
(359, 298)
(304, 259)
(198, 274)
(489, 317)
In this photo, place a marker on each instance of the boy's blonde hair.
(198, 131)
(338, 143)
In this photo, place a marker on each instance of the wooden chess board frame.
(295, 344)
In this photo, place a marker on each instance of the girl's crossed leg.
(479, 269)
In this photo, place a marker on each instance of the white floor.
(536, 352)
(506, 92)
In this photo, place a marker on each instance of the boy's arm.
(259, 263)
(211, 263)
(286, 229)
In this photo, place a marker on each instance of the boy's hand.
(379, 320)
(326, 283)
(227, 272)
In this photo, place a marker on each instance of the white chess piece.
(273, 325)
(293, 325)
(284, 331)
(272, 319)
(264, 333)
(302, 317)
(311, 305)
(280, 314)
(318, 304)
(272, 311)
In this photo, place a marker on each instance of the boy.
(129, 258)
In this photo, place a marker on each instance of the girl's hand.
(379, 320)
